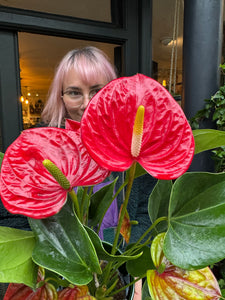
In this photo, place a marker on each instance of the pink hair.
(89, 63)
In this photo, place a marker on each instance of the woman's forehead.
(89, 76)
(73, 79)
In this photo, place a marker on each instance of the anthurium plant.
(132, 126)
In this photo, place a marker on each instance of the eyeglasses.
(77, 95)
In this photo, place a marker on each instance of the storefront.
(121, 28)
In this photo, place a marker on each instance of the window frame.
(133, 33)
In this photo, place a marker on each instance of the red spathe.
(26, 186)
(107, 126)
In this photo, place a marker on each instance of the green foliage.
(195, 237)
(138, 172)
(214, 110)
(159, 202)
(145, 292)
(103, 254)
(139, 266)
(16, 264)
(75, 249)
(207, 139)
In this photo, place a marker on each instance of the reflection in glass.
(164, 26)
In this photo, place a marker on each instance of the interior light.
(167, 41)
(21, 99)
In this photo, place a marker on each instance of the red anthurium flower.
(161, 141)
(169, 282)
(75, 293)
(19, 291)
(27, 187)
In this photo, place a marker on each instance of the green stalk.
(128, 285)
(151, 228)
(134, 248)
(88, 204)
(73, 196)
(122, 214)
(83, 201)
(125, 203)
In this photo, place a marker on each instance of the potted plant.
(132, 125)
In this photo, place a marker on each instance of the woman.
(79, 76)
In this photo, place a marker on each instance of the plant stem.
(83, 201)
(135, 247)
(151, 228)
(125, 203)
(126, 286)
(88, 203)
(73, 196)
(122, 214)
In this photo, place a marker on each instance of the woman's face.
(77, 93)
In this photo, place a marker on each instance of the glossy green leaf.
(195, 237)
(139, 266)
(100, 202)
(159, 202)
(206, 139)
(65, 247)
(102, 250)
(16, 264)
(1, 158)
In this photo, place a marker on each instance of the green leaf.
(16, 264)
(1, 158)
(102, 247)
(145, 292)
(80, 193)
(206, 139)
(215, 115)
(100, 202)
(158, 203)
(195, 237)
(139, 266)
(139, 171)
(64, 247)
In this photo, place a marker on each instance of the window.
(38, 58)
